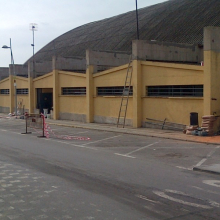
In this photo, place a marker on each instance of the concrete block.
(164, 51)
(212, 39)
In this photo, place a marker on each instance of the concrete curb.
(205, 170)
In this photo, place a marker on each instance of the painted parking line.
(145, 198)
(71, 144)
(101, 140)
(124, 155)
(208, 155)
(183, 202)
(205, 190)
(139, 149)
(185, 168)
(215, 183)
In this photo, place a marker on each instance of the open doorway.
(45, 99)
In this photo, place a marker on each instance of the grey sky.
(54, 18)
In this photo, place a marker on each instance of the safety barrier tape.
(48, 130)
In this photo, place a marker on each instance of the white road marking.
(208, 155)
(201, 162)
(145, 198)
(102, 140)
(215, 183)
(75, 145)
(123, 155)
(184, 168)
(163, 195)
(142, 148)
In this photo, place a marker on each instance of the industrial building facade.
(168, 81)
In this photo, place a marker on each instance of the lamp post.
(33, 28)
(137, 21)
(13, 65)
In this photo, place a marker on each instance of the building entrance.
(45, 99)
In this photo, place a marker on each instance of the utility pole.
(137, 21)
(33, 28)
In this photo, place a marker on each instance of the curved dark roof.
(180, 21)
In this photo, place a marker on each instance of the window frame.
(76, 91)
(114, 91)
(175, 91)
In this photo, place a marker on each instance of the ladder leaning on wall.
(125, 95)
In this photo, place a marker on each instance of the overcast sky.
(53, 18)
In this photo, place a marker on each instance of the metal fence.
(36, 122)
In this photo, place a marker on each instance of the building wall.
(4, 103)
(7, 102)
(174, 109)
(72, 107)
(45, 81)
(106, 108)
(70, 79)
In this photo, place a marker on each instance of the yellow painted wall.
(112, 77)
(72, 104)
(108, 106)
(4, 100)
(22, 100)
(155, 73)
(152, 73)
(174, 109)
(67, 79)
(22, 83)
(4, 84)
(45, 81)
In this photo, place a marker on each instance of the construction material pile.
(208, 123)
(190, 129)
(208, 127)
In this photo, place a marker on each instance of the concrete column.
(211, 70)
(31, 93)
(89, 94)
(56, 108)
(137, 90)
(12, 88)
(12, 93)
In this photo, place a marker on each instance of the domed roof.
(180, 21)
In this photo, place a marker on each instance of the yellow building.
(169, 80)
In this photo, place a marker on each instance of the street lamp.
(13, 65)
(137, 21)
(33, 28)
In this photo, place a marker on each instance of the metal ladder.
(125, 95)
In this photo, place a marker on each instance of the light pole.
(33, 28)
(13, 65)
(137, 21)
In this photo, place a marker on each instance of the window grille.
(113, 91)
(22, 91)
(74, 91)
(175, 91)
(4, 91)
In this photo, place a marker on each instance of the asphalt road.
(90, 174)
